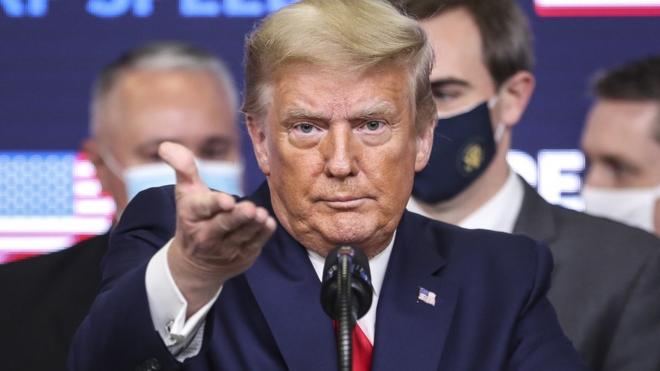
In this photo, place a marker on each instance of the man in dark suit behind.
(606, 283)
(621, 141)
(339, 109)
(158, 92)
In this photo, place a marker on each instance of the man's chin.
(350, 232)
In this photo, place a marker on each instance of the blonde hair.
(350, 35)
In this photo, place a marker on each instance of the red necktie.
(362, 349)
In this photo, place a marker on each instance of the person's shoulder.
(608, 236)
(85, 252)
(487, 266)
(477, 247)
(150, 209)
(155, 195)
(451, 234)
(46, 281)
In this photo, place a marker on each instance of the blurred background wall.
(50, 51)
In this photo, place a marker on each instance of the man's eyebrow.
(441, 83)
(375, 109)
(619, 163)
(304, 113)
(381, 108)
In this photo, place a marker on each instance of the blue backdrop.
(50, 52)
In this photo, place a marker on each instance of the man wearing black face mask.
(606, 282)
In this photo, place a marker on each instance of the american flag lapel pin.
(426, 296)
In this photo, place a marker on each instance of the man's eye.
(153, 157)
(373, 125)
(305, 127)
(215, 153)
(440, 96)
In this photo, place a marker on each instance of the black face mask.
(463, 147)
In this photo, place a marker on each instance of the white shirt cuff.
(167, 305)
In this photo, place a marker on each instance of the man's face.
(459, 78)
(620, 144)
(340, 151)
(146, 108)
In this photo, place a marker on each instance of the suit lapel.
(410, 333)
(535, 218)
(288, 292)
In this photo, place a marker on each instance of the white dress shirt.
(183, 338)
(497, 214)
(168, 309)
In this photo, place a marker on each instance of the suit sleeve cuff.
(167, 306)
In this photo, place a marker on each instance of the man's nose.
(339, 149)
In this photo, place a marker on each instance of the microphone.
(346, 295)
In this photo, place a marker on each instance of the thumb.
(182, 160)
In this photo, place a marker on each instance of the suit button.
(149, 365)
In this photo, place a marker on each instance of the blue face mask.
(463, 147)
(219, 175)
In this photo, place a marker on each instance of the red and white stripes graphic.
(27, 235)
(597, 8)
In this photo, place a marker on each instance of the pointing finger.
(182, 160)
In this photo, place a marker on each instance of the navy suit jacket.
(491, 312)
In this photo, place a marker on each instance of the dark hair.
(636, 81)
(505, 34)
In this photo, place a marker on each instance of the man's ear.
(257, 129)
(514, 97)
(92, 149)
(424, 146)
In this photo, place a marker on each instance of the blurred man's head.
(481, 77)
(159, 92)
(622, 143)
(340, 112)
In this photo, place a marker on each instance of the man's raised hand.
(216, 238)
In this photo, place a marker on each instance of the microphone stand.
(346, 295)
(345, 317)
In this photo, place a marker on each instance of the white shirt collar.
(501, 211)
(497, 214)
(377, 265)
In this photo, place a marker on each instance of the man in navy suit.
(340, 112)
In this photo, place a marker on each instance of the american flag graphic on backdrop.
(48, 201)
(597, 8)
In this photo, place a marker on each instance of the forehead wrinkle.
(378, 108)
(327, 101)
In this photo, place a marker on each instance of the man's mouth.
(344, 202)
